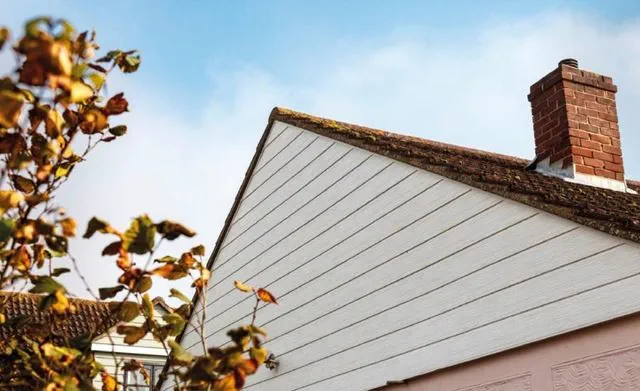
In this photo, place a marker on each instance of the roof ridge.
(279, 113)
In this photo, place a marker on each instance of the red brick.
(595, 106)
(620, 176)
(608, 117)
(589, 128)
(615, 142)
(597, 163)
(612, 150)
(605, 173)
(594, 91)
(613, 167)
(588, 112)
(598, 122)
(613, 133)
(605, 101)
(618, 159)
(582, 152)
(591, 145)
(585, 170)
(601, 139)
(607, 157)
(585, 97)
(578, 159)
(578, 133)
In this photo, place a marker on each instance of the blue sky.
(455, 71)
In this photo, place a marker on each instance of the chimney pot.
(572, 62)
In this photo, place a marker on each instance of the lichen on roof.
(613, 212)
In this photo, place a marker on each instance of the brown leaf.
(112, 248)
(21, 259)
(11, 142)
(23, 184)
(93, 121)
(116, 105)
(132, 334)
(227, 383)
(266, 296)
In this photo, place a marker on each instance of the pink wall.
(602, 357)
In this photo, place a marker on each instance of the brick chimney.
(576, 127)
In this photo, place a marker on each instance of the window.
(134, 380)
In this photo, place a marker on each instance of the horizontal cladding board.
(297, 158)
(571, 313)
(302, 185)
(404, 197)
(378, 224)
(242, 233)
(282, 139)
(439, 326)
(353, 182)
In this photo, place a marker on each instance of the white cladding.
(384, 271)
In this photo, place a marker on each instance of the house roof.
(610, 211)
(91, 317)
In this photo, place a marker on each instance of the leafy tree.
(52, 103)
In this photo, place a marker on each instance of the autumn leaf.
(171, 230)
(123, 261)
(179, 355)
(170, 271)
(9, 199)
(108, 382)
(119, 130)
(53, 123)
(112, 248)
(227, 383)
(68, 227)
(4, 36)
(266, 296)
(132, 334)
(179, 295)
(98, 225)
(44, 284)
(198, 250)
(23, 184)
(259, 354)
(242, 287)
(139, 238)
(10, 107)
(128, 311)
(21, 259)
(61, 304)
(108, 293)
(117, 104)
(93, 121)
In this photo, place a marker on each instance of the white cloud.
(469, 91)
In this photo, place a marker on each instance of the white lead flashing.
(569, 174)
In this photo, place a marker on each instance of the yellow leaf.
(80, 92)
(9, 199)
(259, 354)
(10, 107)
(227, 383)
(108, 382)
(242, 287)
(266, 296)
(62, 305)
(53, 123)
(68, 227)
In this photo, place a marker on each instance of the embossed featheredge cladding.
(618, 371)
(519, 383)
